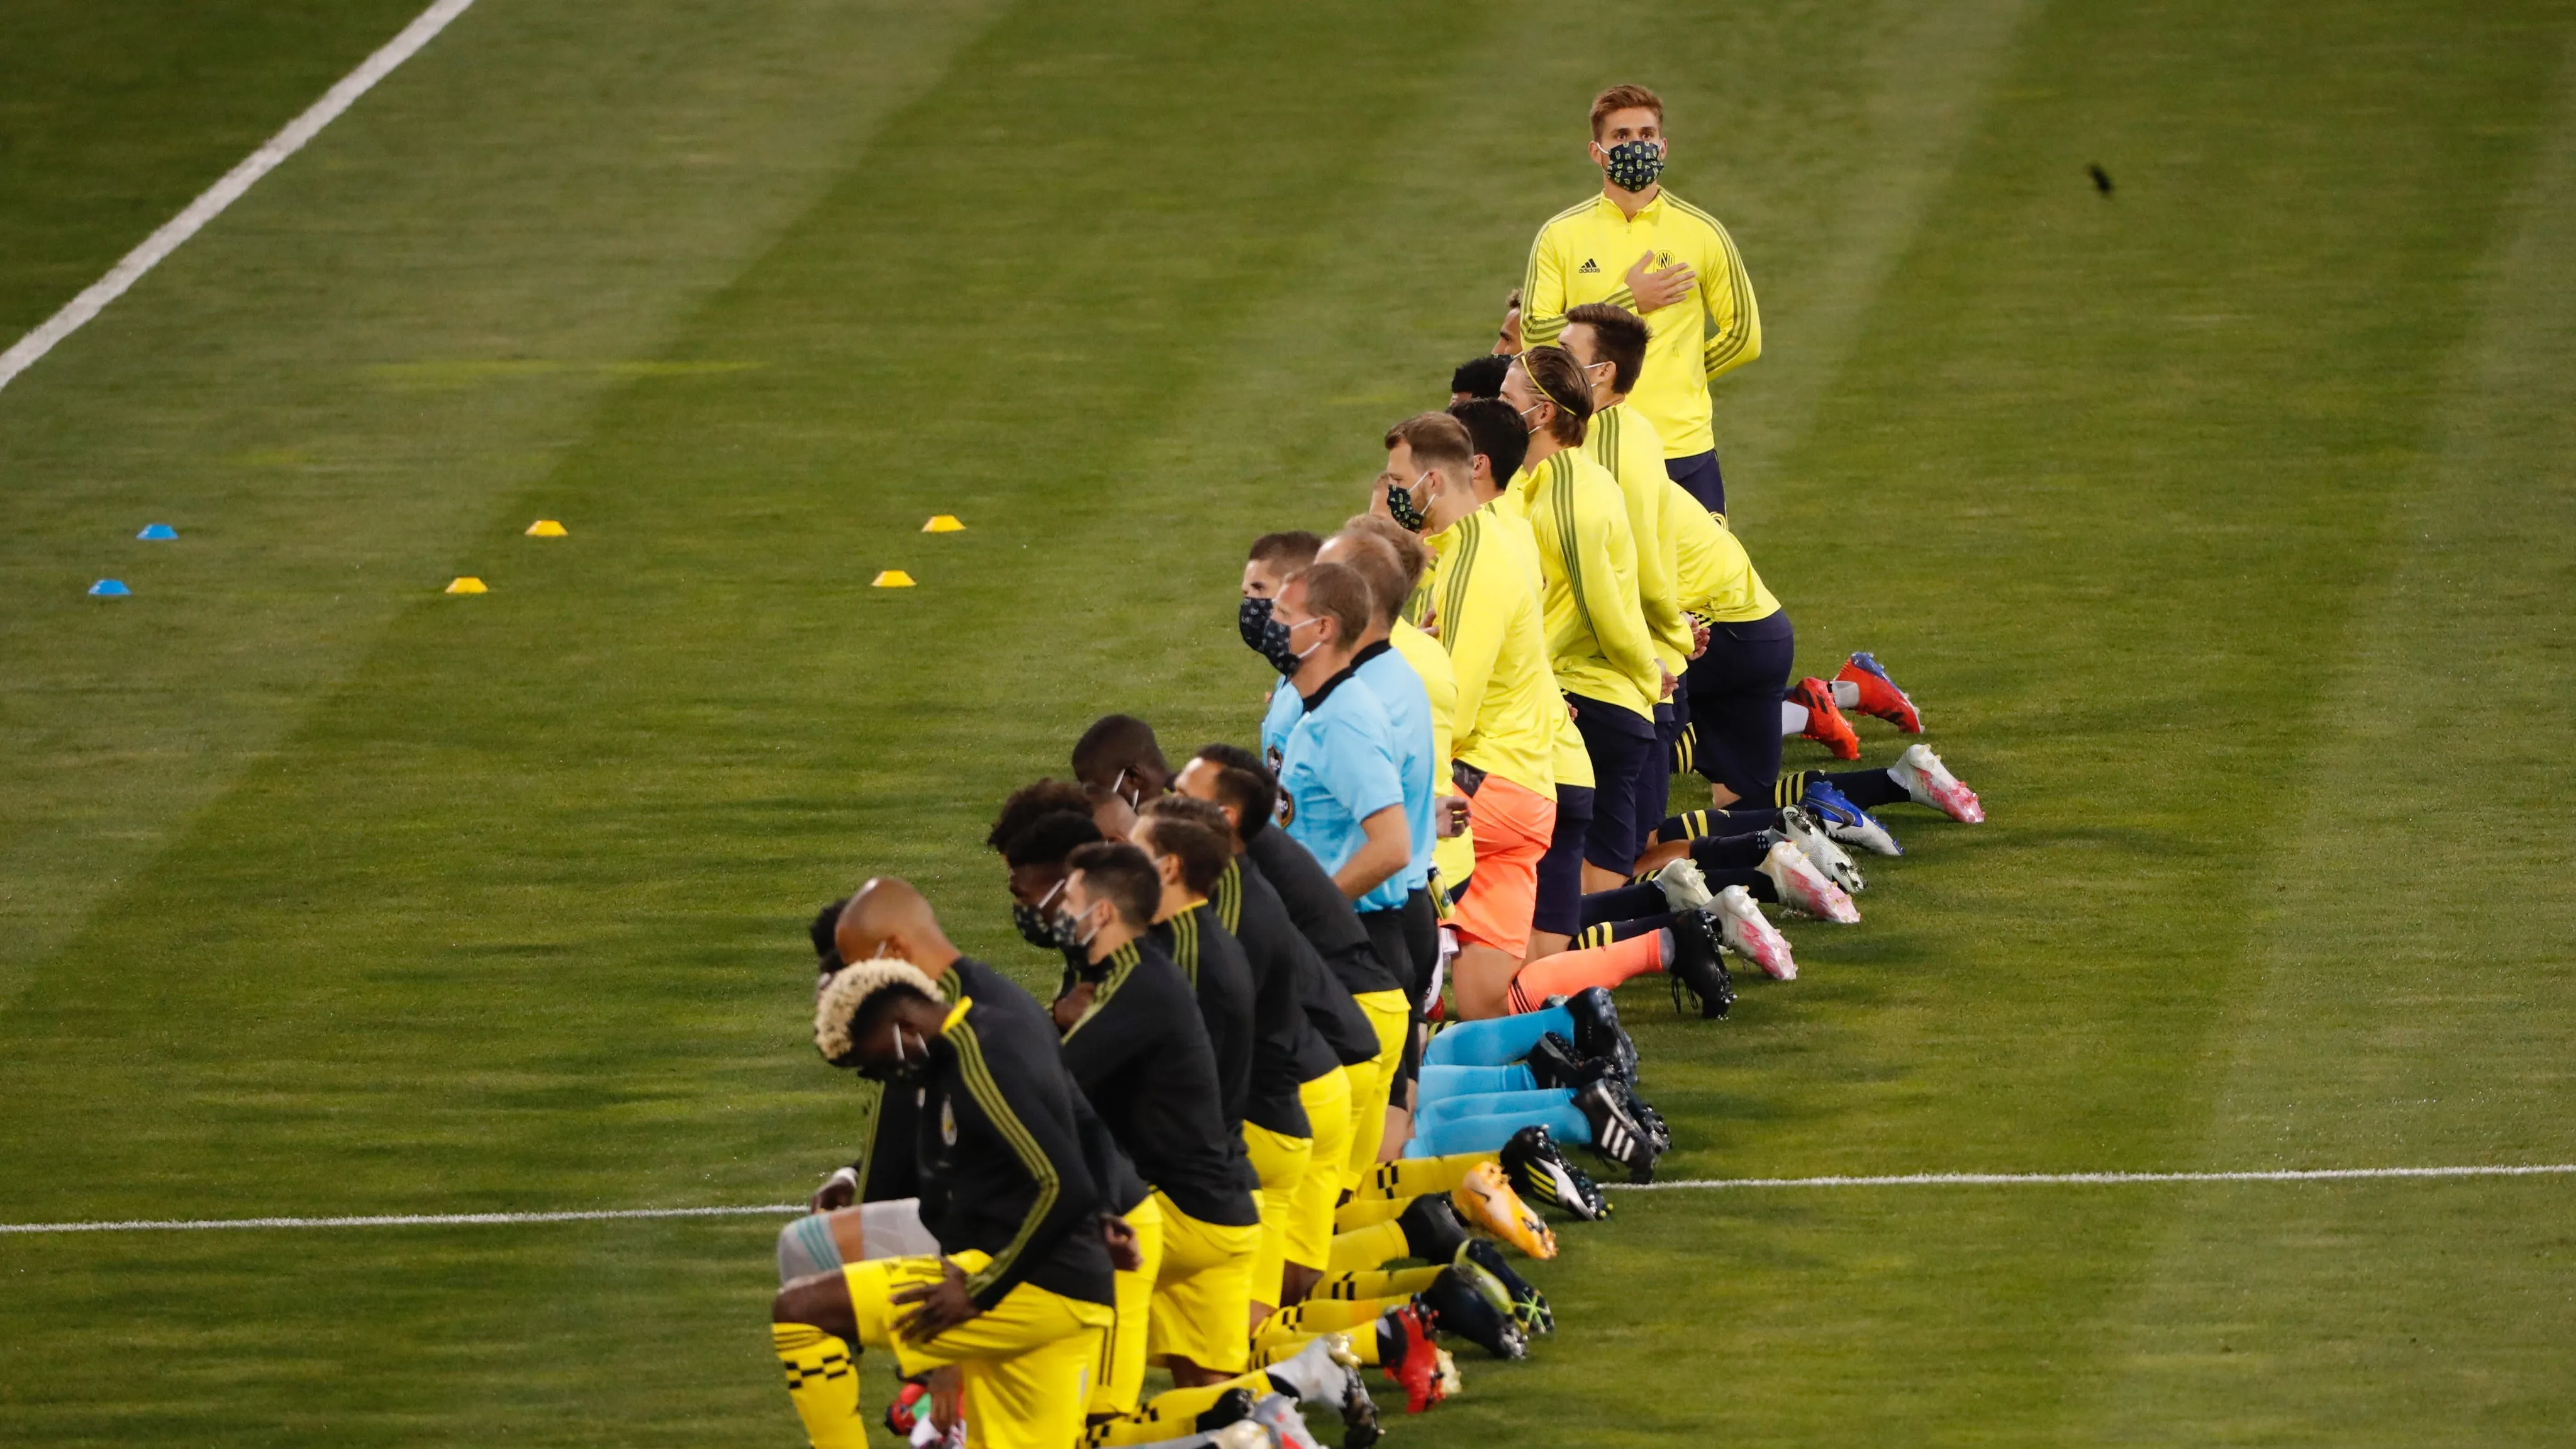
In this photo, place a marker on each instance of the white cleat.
(1930, 783)
(1804, 888)
(1278, 1414)
(1684, 888)
(1748, 933)
(1803, 830)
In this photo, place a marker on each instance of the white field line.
(1911, 1179)
(225, 192)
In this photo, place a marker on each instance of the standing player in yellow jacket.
(1638, 246)
(1596, 630)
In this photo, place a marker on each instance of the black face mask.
(1252, 621)
(1400, 506)
(1032, 924)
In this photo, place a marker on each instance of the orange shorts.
(1512, 825)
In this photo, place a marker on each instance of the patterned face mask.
(1634, 165)
(1252, 620)
(1406, 506)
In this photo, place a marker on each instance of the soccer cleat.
(1537, 1169)
(1415, 1368)
(1597, 1032)
(1487, 1200)
(1825, 724)
(1698, 966)
(1659, 1134)
(1684, 888)
(1445, 1369)
(1804, 888)
(1242, 1434)
(1432, 1231)
(1529, 1306)
(1326, 1371)
(1616, 1136)
(1231, 1407)
(1803, 829)
(1749, 934)
(1278, 1414)
(1879, 694)
(1453, 1306)
(1847, 823)
(1930, 783)
(911, 1400)
(1555, 1063)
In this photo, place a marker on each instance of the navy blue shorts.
(1621, 742)
(1559, 907)
(1654, 793)
(1700, 478)
(1735, 693)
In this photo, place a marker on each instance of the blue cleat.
(1846, 822)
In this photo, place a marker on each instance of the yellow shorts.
(1310, 1221)
(1025, 1362)
(1202, 1290)
(1118, 1379)
(1390, 1015)
(1280, 1162)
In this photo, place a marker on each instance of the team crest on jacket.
(947, 1122)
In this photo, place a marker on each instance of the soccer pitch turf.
(2222, 524)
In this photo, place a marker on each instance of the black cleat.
(1617, 1136)
(1451, 1305)
(1432, 1231)
(1232, 1407)
(1698, 965)
(1657, 1132)
(1555, 1063)
(1597, 1032)
(1529, 1306)
(1538, 1171)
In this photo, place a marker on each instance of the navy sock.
(1868, 789)
(1733, 852)
(1622, 903)
(1609, 931)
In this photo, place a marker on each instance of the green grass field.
(2225, 527)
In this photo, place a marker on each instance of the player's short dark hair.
(1027, 803)
(1376, 559)
(824, 932)
(1622, 98)
(1481, 376)
(1193, 832)
(1559, 379)
(1285, 552)
(1437, 440)
(1116, 742)
(1342, 594)
(1243, 782)
(1623, 336)
(1495, 431)
(1050, 838)
(1124, 875)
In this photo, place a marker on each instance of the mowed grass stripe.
(328, 390)
(2415, 980)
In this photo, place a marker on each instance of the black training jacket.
(1141, 1054)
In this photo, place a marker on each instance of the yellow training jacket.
(1583, 255)
(1453, 856)
(1485, 607)
(1624, 444)
(1715, 574)
(1596, 631)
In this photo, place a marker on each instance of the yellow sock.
(1168, 1415)
(1319, 1315)
(1365, 1211)
(1367, 1248)
(823, 1383)
(1376, 1283)
(1289, 1345)
(1414, 1176)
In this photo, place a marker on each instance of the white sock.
(1793, 719)
(1846, 694)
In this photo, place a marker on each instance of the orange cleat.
(1825, 724)
(1487, 1202)
(1418, 1368)
(1879, 694)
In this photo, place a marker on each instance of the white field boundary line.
(2090, 1179)
(225, 192)
(1911, 1179)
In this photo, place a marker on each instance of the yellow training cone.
(545, 528)
(468, 585)
(944, 523)
(894, 579)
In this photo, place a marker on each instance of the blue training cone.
(110, 589)
(157, 531)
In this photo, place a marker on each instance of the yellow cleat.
(1487, 1202)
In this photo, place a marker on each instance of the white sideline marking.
(402, 1220)
(2020, 1179)
(1911, 1179)
(225, 192)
